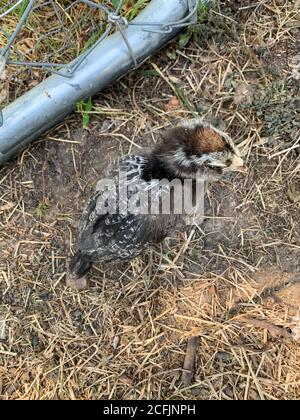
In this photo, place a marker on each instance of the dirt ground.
(234, 281)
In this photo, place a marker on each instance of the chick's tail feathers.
(79, 265)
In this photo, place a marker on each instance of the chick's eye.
(228, 162)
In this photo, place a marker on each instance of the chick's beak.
(238, 165)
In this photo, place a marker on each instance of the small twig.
(189, 361)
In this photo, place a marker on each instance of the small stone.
(35, 342)
(12, 388)
(116, 342)
(243, 94)
(173, 104)
(77, 284)
(125, 380)
(223, 356)
(106, 125)
(293, 195)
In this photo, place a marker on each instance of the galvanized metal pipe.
(48, 103)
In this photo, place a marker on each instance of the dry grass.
(55, 32)
(233, 281)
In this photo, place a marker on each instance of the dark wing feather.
(117, 237)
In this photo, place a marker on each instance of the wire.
(21, 22)
(114, 18)
(11, 8)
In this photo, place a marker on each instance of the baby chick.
(192, 150)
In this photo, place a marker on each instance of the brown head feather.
(207, 140)
(193, 148)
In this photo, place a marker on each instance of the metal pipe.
(48, 103)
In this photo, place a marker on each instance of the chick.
(192, 150)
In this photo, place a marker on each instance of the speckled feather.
(116, 237)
